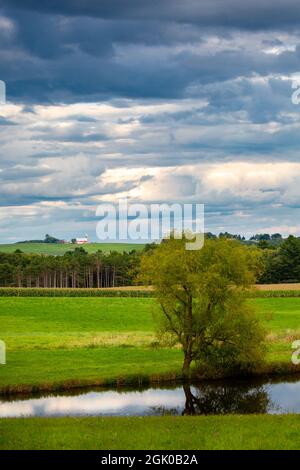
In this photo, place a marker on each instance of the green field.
(56, 342)
(176, 433)
(57, 249)
(62, 342)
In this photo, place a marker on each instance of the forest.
(75, 269)
(80, 269)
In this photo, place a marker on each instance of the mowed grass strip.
(56, 342)
(152, 433)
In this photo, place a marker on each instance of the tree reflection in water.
(210, 399)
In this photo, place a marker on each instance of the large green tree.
(202, 299)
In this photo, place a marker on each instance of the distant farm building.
(81, 241)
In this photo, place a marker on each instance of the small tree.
(202, 299)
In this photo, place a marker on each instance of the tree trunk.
(186, 364)
(190, 401)
(98, 276)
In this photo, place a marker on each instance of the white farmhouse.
(82, 241)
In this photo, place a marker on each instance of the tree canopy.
(283, 264)
(201, 294)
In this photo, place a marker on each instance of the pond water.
(226, 397)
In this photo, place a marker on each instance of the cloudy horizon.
(162, 101)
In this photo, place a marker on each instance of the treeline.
(280, 256)
(281, 265)
(75, 269)
(48, 239)
(79, 269)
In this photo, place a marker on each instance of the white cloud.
(238, 181)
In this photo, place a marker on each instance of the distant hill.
(60, 249)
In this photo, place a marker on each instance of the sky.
(158, 101)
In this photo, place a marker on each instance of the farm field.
(52, 342)
(278, 287)
(175, 433)
(57, 249)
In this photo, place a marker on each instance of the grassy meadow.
(57, 342)
(64, 342)
(57, 249)
(168, 432)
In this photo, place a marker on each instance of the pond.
(218, 397)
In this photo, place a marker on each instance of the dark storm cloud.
(65, 51)
(229, 13)
(158, 75)
(24, 173)
(77, 57)
(158, 84)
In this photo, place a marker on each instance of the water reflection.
(210, 400)
(226, 397)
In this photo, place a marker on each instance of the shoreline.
(265, 371)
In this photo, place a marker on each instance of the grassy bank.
(176, 433)
(66, 342)
(65, 369)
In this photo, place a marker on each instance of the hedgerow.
(268, 294)
(48, 292)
